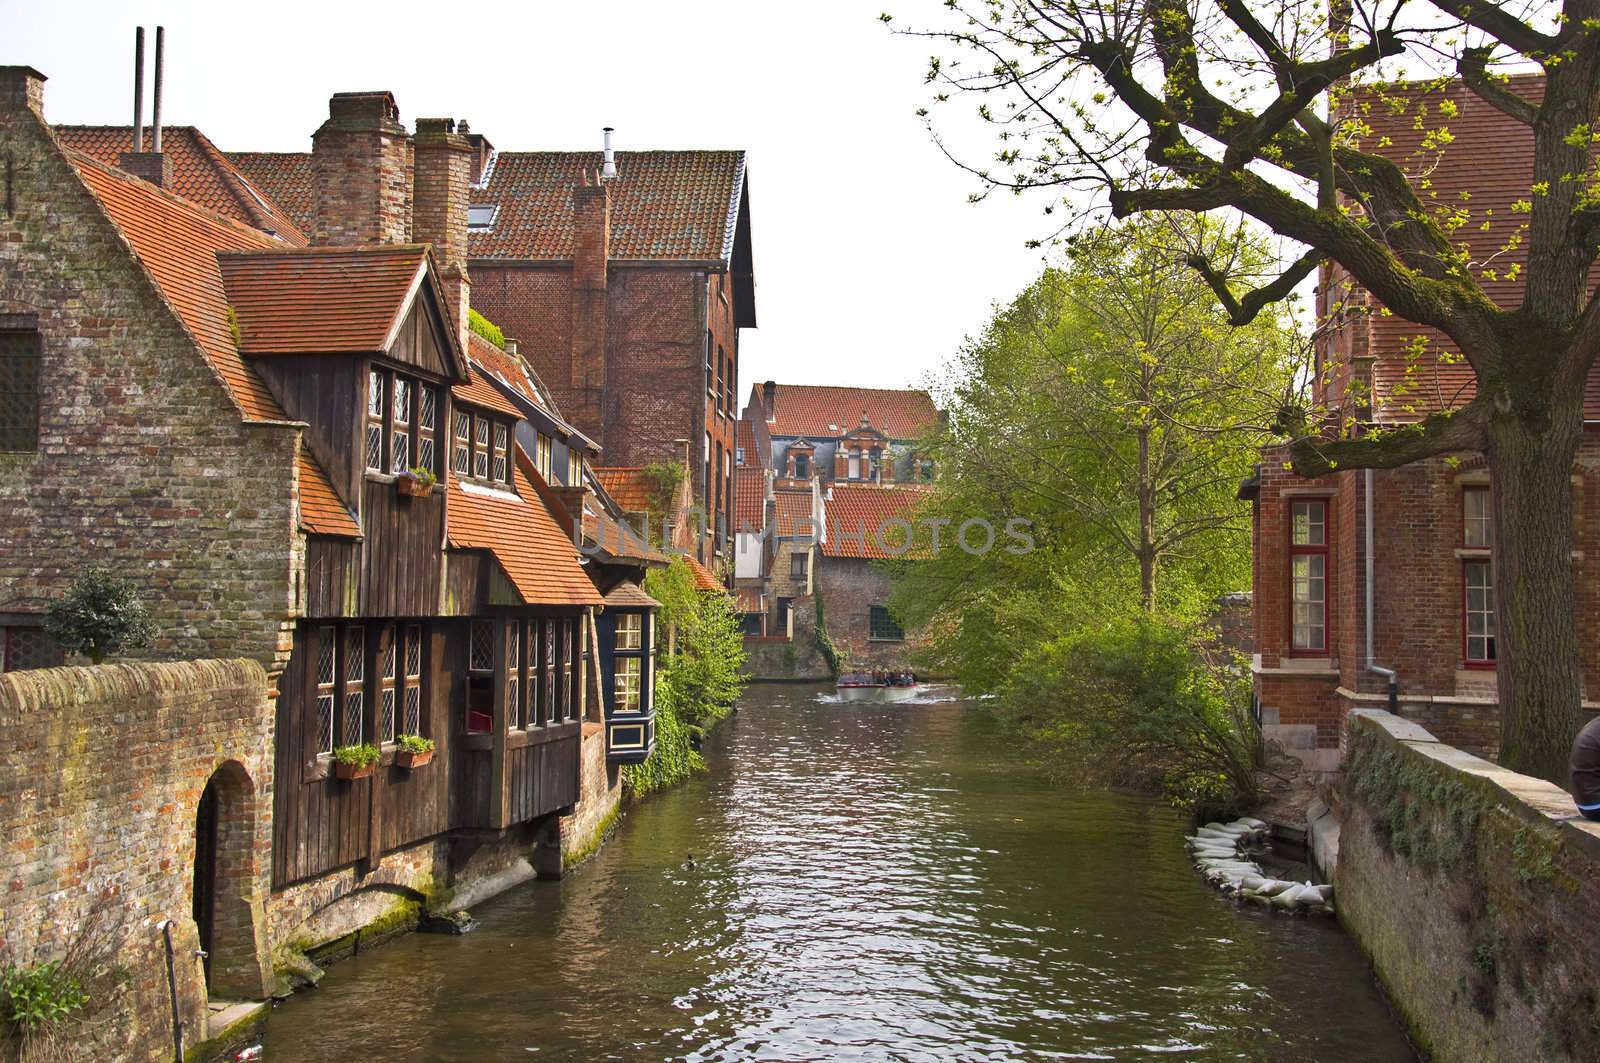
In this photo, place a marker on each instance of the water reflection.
(868, 882)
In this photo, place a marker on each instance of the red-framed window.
(1477, 579)
(1308, 577)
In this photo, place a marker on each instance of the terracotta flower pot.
(346, 770)
(408, 760)
(413, 486)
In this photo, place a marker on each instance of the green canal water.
(870, 882)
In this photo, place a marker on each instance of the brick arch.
(239, 962)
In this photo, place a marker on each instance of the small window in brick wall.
(883, 627)
(1477, 578)
(19, 389)
(1308, 576)
(25, 647)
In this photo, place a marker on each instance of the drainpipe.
(1372, 666)
(172, 991)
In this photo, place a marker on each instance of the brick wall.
(361, 162)
(1473, 890)
(101, 774)
(143, 463)
(849, 587)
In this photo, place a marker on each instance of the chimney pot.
(138, 88)
(608, 170)
(155, 103)
(511, 346)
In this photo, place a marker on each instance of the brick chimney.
(361, 167)
(482, 151)
(441, 177)
(769, 399)
(21, 87)
(591, 249)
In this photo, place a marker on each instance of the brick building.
(626, 278)
(867, 523)
(246, 416)
(1394, 569)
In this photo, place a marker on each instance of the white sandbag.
(1254, 882)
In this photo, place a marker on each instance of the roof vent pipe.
(608, 170)
(155, 103)
(138, 88)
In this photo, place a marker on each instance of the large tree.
(1188, 106)
(1113, 408)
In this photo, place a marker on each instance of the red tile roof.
(508, 368)
(524, 538)
(821, 412)
(1490, 160)
(326, 300)
(628, 486)
(704, 579)
(177, 244)
(200, 173)
(863, 521)
(749, 497)
(629, 595)
(746, 446)
(792, 514)
(664, 204)
(616, 538)
(478, 391)
(320, 509)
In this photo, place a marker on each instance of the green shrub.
(1140, 702)
(361, 756)
(35, 1000)
(486, 328)
(674, 758)
(415, 744)
(100, 615)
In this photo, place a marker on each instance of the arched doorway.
(227, 891)
(206, 845)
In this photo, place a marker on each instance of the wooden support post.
(499, 794)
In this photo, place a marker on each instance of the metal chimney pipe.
(155, 109)
(138, 88)
(608, 171)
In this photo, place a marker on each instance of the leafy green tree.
(1113, 408)
(1182, 107)
(100, 615)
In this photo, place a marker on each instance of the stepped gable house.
(625, 276)
(1393, 569)
(283, 430)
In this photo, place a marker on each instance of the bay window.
(1308, 576)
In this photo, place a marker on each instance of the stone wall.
(601, 795)
(849, 587)
(143, 463)
(1474, 890)
(101, 775)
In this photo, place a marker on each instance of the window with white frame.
(1477, 578)
(1308, 576)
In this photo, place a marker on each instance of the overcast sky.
(871, 266)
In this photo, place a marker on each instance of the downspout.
(1371, 663)
(172, 991)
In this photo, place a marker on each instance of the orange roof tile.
(176, 242)
(863, 520)
(749, 497)
(320, 509)
(325, 300)
(745, 445)
(628, 487)
(749, 599)
(524, 538)
(629, 595)
(704, 579)
(822, 412)
(665, 204)
(792, 514)
(509, 368)
(479, 391)
(200, 173)
(619, 539)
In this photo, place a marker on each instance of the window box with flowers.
(414, 752)
(417, 482)
(356, 762)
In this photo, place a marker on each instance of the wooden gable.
(421, 341)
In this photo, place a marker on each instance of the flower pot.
(348, 771)
(409, 760)
(413, 486)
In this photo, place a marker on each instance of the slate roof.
(177, 244)
(859, 519)
(537, 557)
(327, 300)
(826, 412)
(200, 173)
(679, 205)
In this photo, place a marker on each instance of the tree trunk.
(1538, 667)
(1147, 526)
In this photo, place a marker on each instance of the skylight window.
(481, 218)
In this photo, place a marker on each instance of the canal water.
(873, 882)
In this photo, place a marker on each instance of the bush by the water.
(699, 672)
(1140, 702)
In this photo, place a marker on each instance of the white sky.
(871, 267)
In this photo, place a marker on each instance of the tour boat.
(865, 686)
